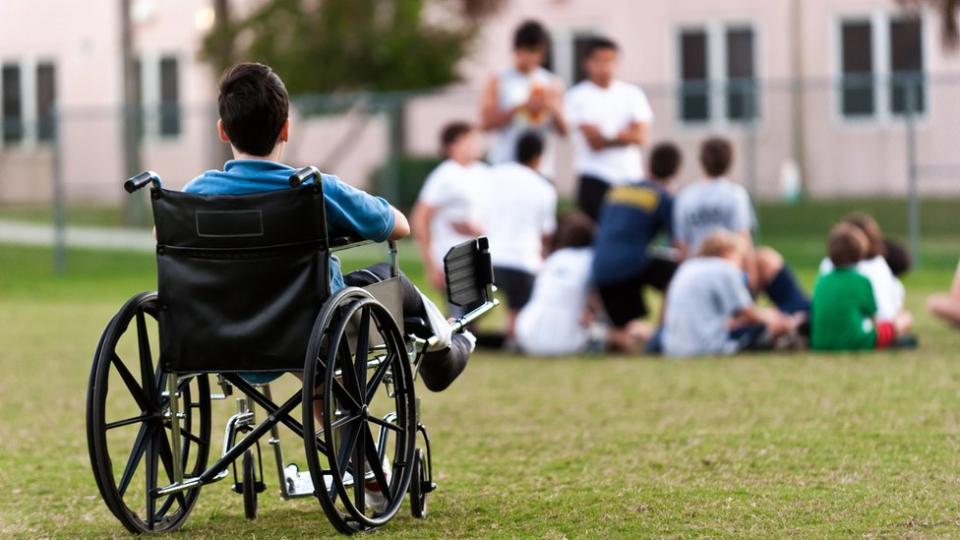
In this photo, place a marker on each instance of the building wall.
(837, 156)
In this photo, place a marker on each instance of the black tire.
(115, 392)
(418, 487)
(351, 404)
(249, 486)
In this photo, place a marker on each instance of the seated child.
(844, 315)
(254, 107)
(555, 321)
(888, 291)
(709, 309)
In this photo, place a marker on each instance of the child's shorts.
(886, 334)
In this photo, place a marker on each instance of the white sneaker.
(374, 499)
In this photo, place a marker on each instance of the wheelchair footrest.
(296, 482)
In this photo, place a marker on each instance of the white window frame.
(562, 42)
(29, 114)
(882, 73)
(150, 94)
(716, 32)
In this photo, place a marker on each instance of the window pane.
(694, 78)
(858, 93)
(581, 43)
(907, 90)
(12, 107)
(169, 97)
(46, 97)
(741, 74)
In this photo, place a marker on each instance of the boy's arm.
(955, 287)
(491, 116)
(422, 215)
(401, 227)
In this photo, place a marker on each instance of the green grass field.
(789, 445)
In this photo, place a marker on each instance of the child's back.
(842, 315)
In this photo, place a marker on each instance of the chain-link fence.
(812, 138)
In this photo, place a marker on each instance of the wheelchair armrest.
(340, 243)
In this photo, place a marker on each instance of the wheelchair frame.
(170, 407)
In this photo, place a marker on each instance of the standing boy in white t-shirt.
(520, 224)
(448, 210)
(610, 121)
(523, 97)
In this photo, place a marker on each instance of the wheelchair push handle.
(304, 175)
(141, 180)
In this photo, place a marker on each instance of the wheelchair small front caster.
(420, 486)
(249, 486)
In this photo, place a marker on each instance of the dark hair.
(845, 245)
(452, 132)
(253, 106)
(897, 256)
(665, 159)
(600, 44)
(716, 156)
(529, 147)
(575, 229)
(871, 228)
(531, 35)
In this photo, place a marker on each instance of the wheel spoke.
(189, 436)
(374, 383)
(363, 349)
(348, 373)
(359, 476)
(146, 357)
(139, 446)
(138, 394)
(166, 456)
(151, 479)
(343, 396)
(344, 421)
(373, 458)
(385, 424)
(128, 421)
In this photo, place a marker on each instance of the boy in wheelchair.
(253, 107)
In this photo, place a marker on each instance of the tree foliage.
(377, 45)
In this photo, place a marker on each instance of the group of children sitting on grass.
(589, 291)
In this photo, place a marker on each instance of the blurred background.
(827, 100)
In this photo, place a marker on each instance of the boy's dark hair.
(600, 43)
(452, 132)
(529, 147)
(665, 160)
(716, 156)
(531, 35)
(845, 245)
(253, 106)
(575, 229)
(871, 228)
(897, 256)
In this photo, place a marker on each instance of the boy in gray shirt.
(709, 310)
(717, 204)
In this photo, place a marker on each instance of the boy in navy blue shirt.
(633, 216)
(254, 107)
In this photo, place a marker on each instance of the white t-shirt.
(888, 291)
(523, 211)
(611, 109)
(709, 205)
(458, 193)
(513, 90)
(550, 323)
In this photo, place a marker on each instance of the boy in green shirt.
(844, 310)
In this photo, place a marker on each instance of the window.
(169, 97)
(858, 93)
(581, 46)
(694, 76)
(741, 92)
(46, 99)
(882, 69)
(906, 66)
(11, 111)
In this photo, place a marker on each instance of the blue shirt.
(350, 211)
(632, 217)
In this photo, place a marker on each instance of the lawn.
(793, 445)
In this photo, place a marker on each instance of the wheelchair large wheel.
(363, 390)
(129, 423)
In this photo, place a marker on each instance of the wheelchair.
(243, 290)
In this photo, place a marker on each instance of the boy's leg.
(945, 307)
(779, 282)
(442, 366)
(591, 194)
(517, 286)
(624, 303)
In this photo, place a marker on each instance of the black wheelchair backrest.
(241, 279)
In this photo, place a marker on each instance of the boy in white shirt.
(610, 120)
(450, 205)
(523, 97)
(520, 224)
